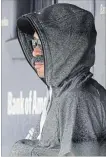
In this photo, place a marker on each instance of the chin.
(40, 75)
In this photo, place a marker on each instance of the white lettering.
(29, 105)
(4, 22)
(102, 9)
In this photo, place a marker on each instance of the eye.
(39, 42)
(34, 43)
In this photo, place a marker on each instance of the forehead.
(35, 35)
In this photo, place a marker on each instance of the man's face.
(39, 66)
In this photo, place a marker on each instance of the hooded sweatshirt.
(75, 121)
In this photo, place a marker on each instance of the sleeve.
(23, 147)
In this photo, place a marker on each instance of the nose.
(37, 51)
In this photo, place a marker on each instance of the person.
(39, 66)
(75, 121)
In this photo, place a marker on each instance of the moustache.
(39, 58)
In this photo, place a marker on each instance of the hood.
(68, 38)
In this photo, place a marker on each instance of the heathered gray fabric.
(76, 119)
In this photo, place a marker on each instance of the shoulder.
(92, 91)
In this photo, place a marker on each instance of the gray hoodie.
(76, 117)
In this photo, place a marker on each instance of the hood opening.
(25, 31)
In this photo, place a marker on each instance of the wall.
(18, 80)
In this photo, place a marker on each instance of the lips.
(38, 60)
(38, 65)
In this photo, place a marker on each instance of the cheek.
(42, 68)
